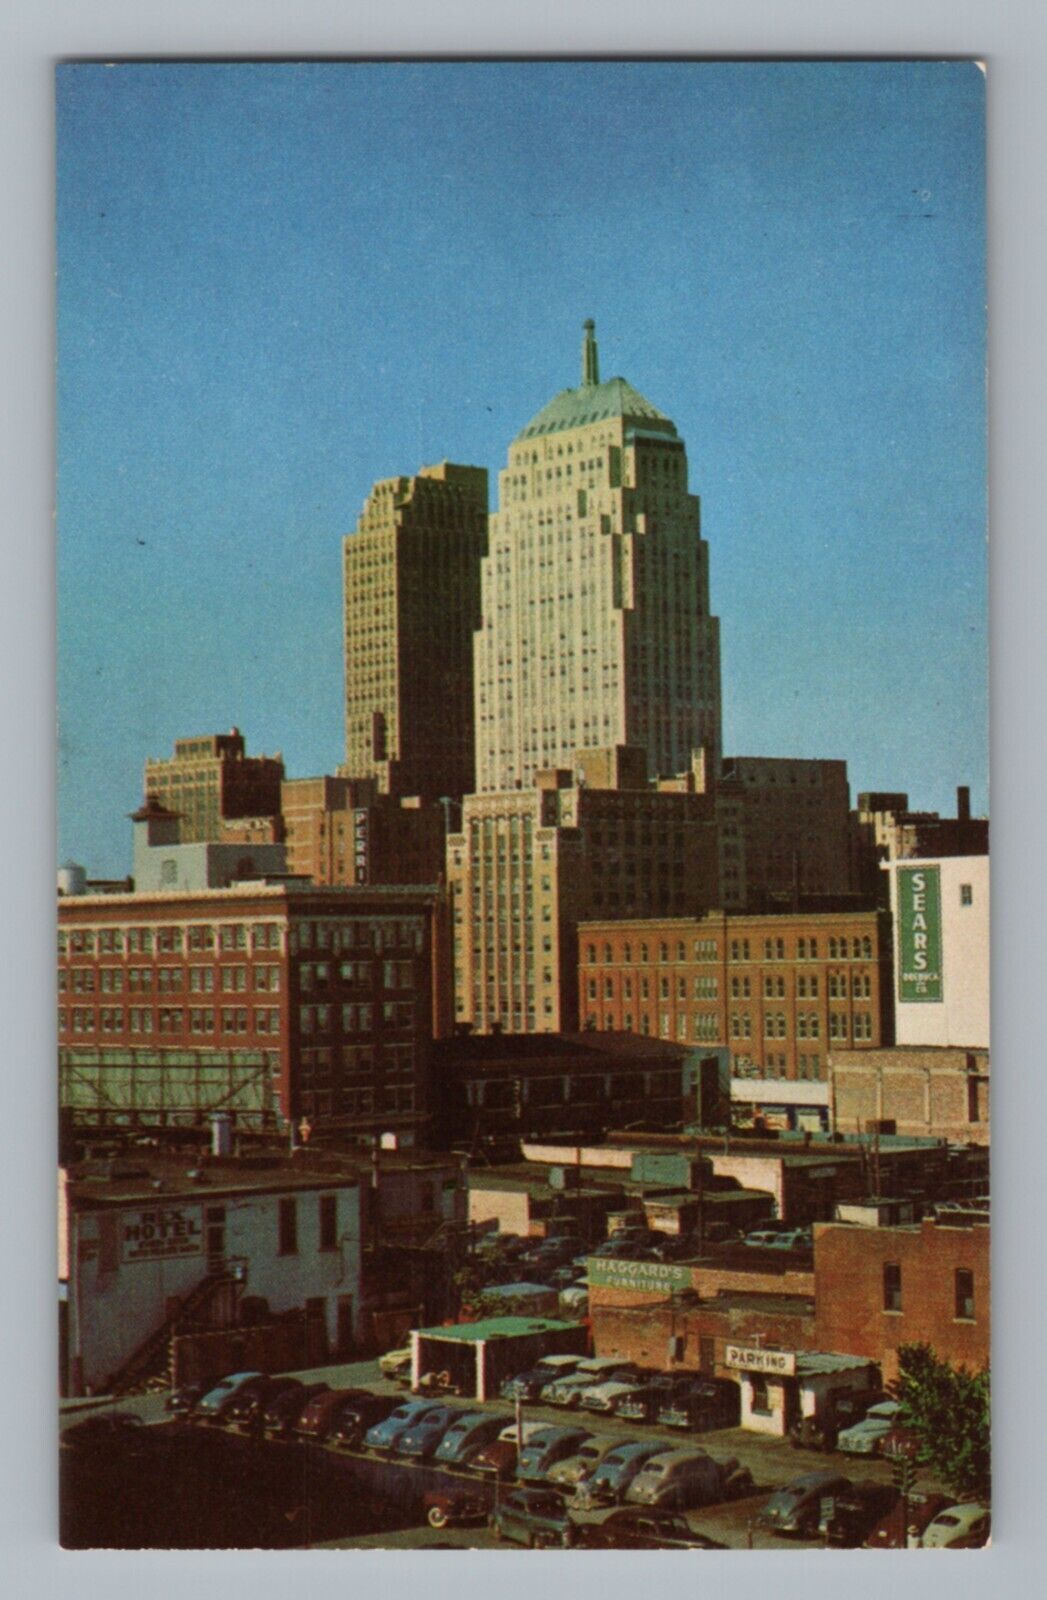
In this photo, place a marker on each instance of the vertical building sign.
(919, 933)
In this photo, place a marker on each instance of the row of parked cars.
(829, 1506)
(607, 1385)
(561, 1261)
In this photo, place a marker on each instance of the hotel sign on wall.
(162, 1232)
(919, 933)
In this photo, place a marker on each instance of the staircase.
(148, 1368)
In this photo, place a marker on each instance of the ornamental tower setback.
(596, 627)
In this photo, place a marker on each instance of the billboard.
(919, 933)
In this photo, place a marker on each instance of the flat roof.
(494, 1328)
(492, 1049)
(156, 1180)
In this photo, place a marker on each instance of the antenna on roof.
(590, 355)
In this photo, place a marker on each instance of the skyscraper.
(412, 600)
(596, 628)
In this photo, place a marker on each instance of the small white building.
(779, 1387)
(140, 1241)
(941, 951)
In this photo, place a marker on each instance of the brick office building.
(343, 831)
(412, 601)
(927, 1090)
(211, 779)
(879, 1288)
(779, 991)
(527, 865)
(280, 1002)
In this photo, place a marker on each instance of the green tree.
(947, 1409)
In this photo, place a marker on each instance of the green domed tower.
(596, 627)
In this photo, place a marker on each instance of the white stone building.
(596, 628)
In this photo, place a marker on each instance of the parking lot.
(235, 1492)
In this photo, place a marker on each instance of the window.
(964, 1294)
(288, 1227)
(761, 1400)
(966, 899)
(328, 1222)
(892, 1286)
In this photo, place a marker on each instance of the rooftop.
(594, 401)
(495, 1328)
(492, 1049)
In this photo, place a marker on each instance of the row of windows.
(855, 948)
(167, 940)
(355, 1018)
(386, 934)
(963, 1291)
(708, 988)
(167, 1019)
(168, 980)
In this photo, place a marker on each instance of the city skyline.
(251, 333)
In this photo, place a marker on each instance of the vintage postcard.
(523, 903)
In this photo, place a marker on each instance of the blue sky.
(277, 283)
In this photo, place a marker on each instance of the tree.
(946, 1408)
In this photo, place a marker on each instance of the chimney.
(963, 804)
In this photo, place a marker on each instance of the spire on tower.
(590, 356)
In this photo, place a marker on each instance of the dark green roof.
(495, 1328)
(596, 402)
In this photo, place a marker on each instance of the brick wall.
(850, 1295)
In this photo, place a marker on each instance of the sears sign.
(919, 933)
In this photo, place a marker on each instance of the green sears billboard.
(919, 933)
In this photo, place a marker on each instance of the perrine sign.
(919, 933)
(162, 1231)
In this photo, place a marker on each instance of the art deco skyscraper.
(412, 601)
(596, 628)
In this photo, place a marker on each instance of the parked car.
(962, 1527)
(843, 1408)
(396, 1364)
(535, 1517)
(906, 1519)
(796, 1508)
(761, 1239)
(865, 1438)
(846, 1519)
(528, 1385)
(568, 1389)
(679, 1479)
(574, 1469)
(794, 1239)
(102, 1431)
(633, 1528)
(544, 1449)
(650, 1398)
(469, 1432)
(356, 1415)
(182, 1402)
(446, 1507)
(242, 1410)
(320, 1413)
(499, 1458)
(610, 1395)
(611, 1477)
(423, 1436)
(567, 1277)
(385, 1435)
(703, 1404)
(212, 1406)
(283, 1410)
